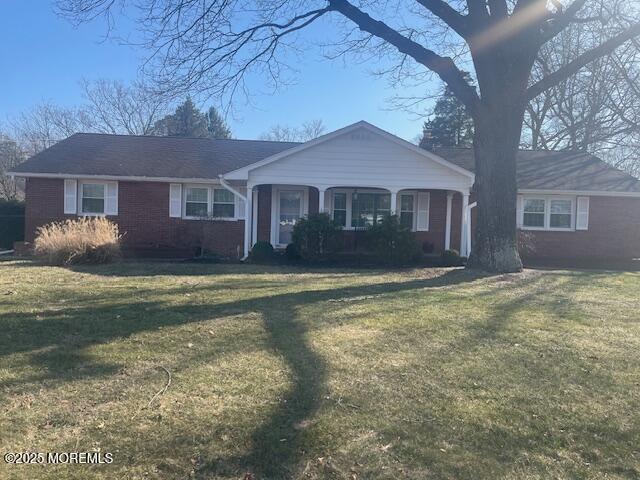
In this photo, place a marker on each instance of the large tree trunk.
(495, 146)
(503, 77)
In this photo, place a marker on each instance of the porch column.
(447, 231)
(248, 220)
(321, 199)
(465, 225)
(394, 202)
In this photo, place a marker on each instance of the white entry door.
(290, 205)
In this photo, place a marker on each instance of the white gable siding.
(360, 158)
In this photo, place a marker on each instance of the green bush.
(451, 258)
(262, 251)
(316, 237)
(11, 223)
(291, 252)
(392, 242)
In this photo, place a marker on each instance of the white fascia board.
(584, 193)
(243, 173)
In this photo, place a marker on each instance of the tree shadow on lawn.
(55, 342)
(533, 417)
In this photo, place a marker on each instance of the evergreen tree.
(216, 125)
(450, 126)
(186, 121)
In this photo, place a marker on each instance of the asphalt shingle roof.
(561, 170)
(179, 157)
(140, 156)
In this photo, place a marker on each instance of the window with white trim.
(196, 202)
(560, 213)
(406, 210)
(548, 213)
(340, 208)
(367, 209)
(204, 201)
(92, 198)
(224, 203)
(533, 212)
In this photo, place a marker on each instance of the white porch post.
(469, 226)
(447, 234)
(394, 202)
(321, 192)
(254, 218)
(465, 225)
(248, 220)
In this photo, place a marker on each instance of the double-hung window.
(560, 212)
(548, 213)
(223, 203)
(369, 208)
(406, 210)
(340, 208)
(196, 202)
(534, 212)
(92, 198)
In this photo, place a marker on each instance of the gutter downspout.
(471, 206)
(226, 185)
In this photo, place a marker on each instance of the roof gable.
(242, 173)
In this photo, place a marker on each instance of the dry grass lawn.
(326, 374)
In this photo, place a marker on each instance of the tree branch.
(444, 67)
(498, 8)
(447, 14)
(563, 19)
(575, 65)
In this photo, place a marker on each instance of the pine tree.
(186, 121)
(450, 126)
(216, 125)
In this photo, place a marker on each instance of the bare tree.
(114, 107)
(11, 155)
(47, 124)
(597, 109)
(212, 45)
(110, 107)
(283, 133)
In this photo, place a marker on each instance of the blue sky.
(44, 57)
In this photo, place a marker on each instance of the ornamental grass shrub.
(83, 240)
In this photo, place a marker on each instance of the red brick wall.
(45, 204)
(143, 218)
(614, 232)
(264, 213)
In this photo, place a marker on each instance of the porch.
(356, 174)
(434, 215)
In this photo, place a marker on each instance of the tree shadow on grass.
(276, 445)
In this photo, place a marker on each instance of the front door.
(289, 211)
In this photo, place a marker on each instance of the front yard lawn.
(334, 374)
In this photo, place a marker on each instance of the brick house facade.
(570, 204)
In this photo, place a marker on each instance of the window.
(406, 210)
(340, 208)
(223, 203)
(548, 213)
(197, 202)
(369, 208)
(93, 198)
(560, 214)
(533, 213)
